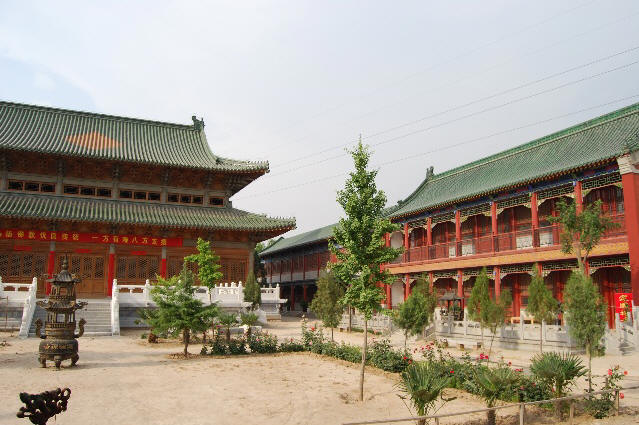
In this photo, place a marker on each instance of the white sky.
(284, 80)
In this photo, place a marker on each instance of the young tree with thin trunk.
(326, 301)
(208, 265)
(414, 314)
(479, 301)
(581, 232)
(178, 311)
(252, 291)
(542, 306)
(497, 312)
(586, 315)
(358, 244)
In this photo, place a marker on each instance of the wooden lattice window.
(601, 181)
(555, 192)
(83, 266)
(22, 267)
(138, 267)
(514, 201)
(443, 217)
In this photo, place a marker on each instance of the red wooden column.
(630, 184)
(460, 284)
(431, 277)
(406, 245)
(111, 270)
(493, 222)
(579, 200)
(429, 236)
(497, 282)
(406, 286)
(292, 299)
(458, 233)
(305, 293)
(516, 296)
(50, 266)
(535, 218)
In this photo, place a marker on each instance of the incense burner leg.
(43, 361)
(58, 361)
(74, 359)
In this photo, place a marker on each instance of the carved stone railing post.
(115, 309)
(147, 291)
(28, 309)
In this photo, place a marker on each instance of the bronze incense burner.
(59, 340)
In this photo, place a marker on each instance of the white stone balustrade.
(15, 292)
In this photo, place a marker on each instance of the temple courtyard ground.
(124, 380)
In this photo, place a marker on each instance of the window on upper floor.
(31, 186)
(216, 201)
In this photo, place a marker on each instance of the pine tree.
(326, 301)
(208, 267)
(541, 304)
(586, 315)
(252, 291)
(178, 311)
(479, 301)
(415, 313)
(358, 244)
(497, 312)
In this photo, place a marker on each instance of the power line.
(482, 111)
(430, 68)
(443, 148)
(439, 87)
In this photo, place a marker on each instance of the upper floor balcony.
(547, 237)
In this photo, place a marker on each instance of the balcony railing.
(502, 242)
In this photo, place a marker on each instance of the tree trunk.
(490, 350)
(361, 373)
(482, 335)
(490, 416)
(350, 319)
(332, 335)
(421, 421)
(228, 335)
(405, 339)
(186, 335)
(541, 337)
(589, 352)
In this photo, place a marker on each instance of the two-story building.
(495, 213)
(121, 197)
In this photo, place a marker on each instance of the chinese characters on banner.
(623, 305)
(45, 235)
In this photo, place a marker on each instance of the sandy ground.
(123, 380)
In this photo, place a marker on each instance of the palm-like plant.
(558, 371)
(493, 383)
(227, 320)
(423, 384)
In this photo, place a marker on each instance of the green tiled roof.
(317, 235)
(595, 141)
(68, 208)
(88, 135)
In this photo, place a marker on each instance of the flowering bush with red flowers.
(603, 405)
(382, 355)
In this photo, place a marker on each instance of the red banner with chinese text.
(623, 305)
(45, 235)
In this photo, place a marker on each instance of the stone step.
(97, 316)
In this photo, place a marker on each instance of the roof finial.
(430, 172)
(198, 124)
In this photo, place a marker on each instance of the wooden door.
(91, 270)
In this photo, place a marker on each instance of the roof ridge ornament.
(198, 124)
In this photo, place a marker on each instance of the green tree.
(252, 291)
(581, 232)
(557, 372)
(541, 304)
(358, 244)
(414, 314)
(423, 384)
(178, 311)
(326, 301)
(248, 319)
(497, 312)
(585, 314)
(227, 320)
(208, 267)
(479, 301)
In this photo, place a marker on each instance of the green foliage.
(581, 232)
(248, 319)
(262, 342)
(493, 383)
(585, 314)
(415, 313)
(291, 346)
(326, 301)
(498, 311)
(236, 346)
(479, 299)
(208, 267)
(604, 405)
(178, 311)
(358, 239)
(227, 321)
(423, 385)
(252, 291)
(532, 389)
(541, 304)
(557, 371)
(383, 356)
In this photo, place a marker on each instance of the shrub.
(262, 342)
(382, 355)
(603, 406)
(350, 353)
(291, 346)
(423, 385)
(557, 372)
(493, 384)
(218, 346)
(237, 346)
(312, 339)
(530, 389)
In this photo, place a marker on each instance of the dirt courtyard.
(123, 380)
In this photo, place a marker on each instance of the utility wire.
(482, 111)
(440, 87)
(435, 66)
(443, 148)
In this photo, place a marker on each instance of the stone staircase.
(97, 313)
